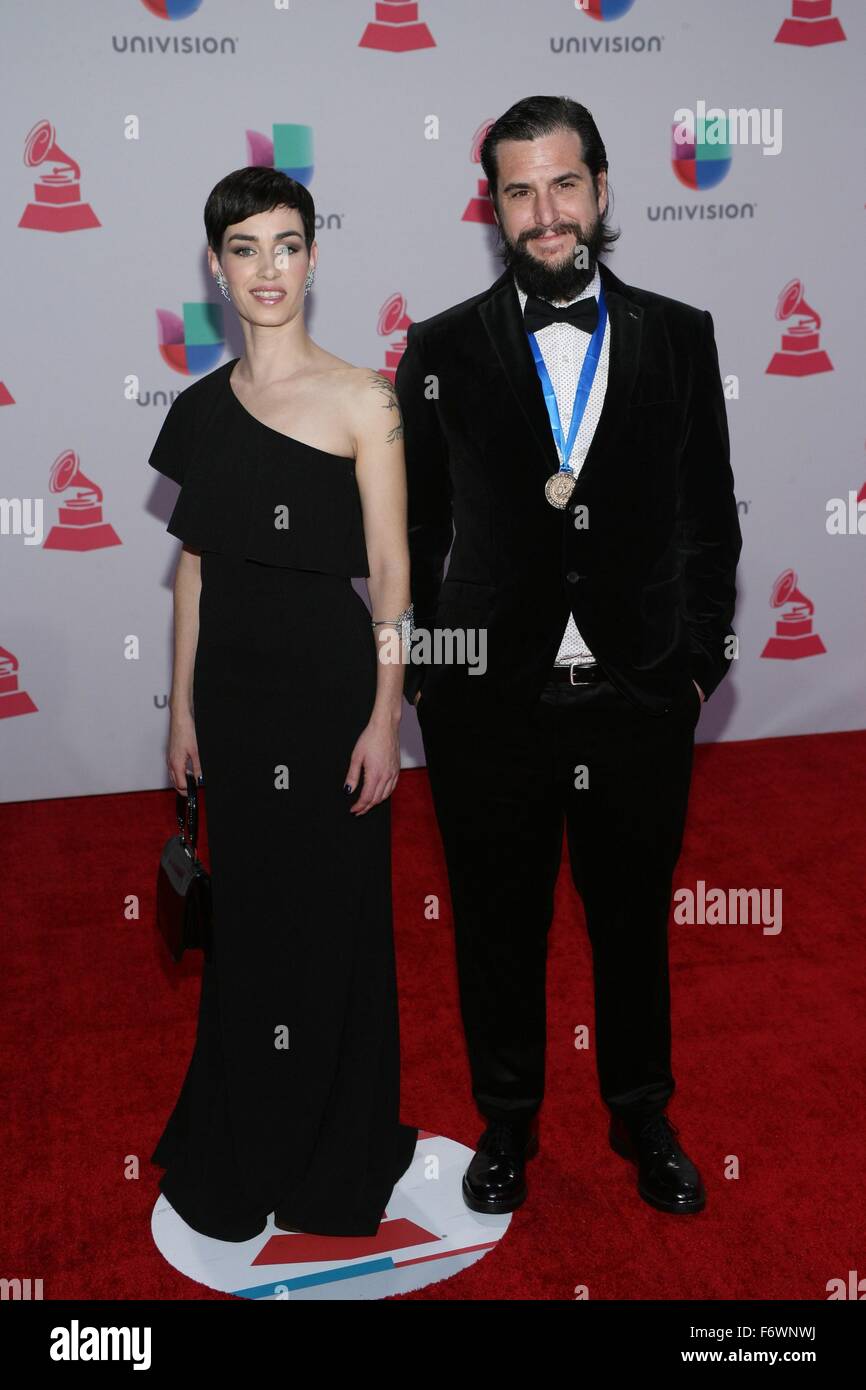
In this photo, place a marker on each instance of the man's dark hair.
(535, 116)
(245, 192)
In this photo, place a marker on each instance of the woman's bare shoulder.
(368, 383)
(345, 379)
(373, 393)
(359, 395)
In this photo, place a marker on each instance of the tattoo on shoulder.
(390, 402)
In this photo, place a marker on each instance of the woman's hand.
(378, 753)
(182, 747)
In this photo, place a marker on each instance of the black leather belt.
(577, 674)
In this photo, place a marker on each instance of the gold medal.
(559, 488)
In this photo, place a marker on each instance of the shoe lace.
(499, 1137)
(659, 1133)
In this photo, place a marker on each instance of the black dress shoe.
(667, 1178)
(495, 1180)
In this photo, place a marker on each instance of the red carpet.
(98, 1025)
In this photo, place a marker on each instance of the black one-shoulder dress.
(290, 1104)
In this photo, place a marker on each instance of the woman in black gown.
(292, 481)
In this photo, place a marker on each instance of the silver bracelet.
(404, 622)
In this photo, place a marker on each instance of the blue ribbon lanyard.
(584, 386)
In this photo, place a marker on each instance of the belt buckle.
(571, 667)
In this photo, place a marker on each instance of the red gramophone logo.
(80, 524)
(393, 323)
(811, 23)
(6, 397)
(801, 353)
(396, 28)
(794, 636)
(12, 700)
(58, 206)
(480, 208)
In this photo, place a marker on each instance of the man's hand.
(694, 683)
(417, 697)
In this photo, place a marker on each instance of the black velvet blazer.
(649, 571)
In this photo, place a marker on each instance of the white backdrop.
(155, 100)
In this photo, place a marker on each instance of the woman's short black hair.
(536, 116)
(256, 188)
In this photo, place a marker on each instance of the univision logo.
(701, 156)
(604, 10)
(194, 343)
(701, 159)
(288, 148)
(172, 9)
(172, 42)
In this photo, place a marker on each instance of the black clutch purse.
(183, 885)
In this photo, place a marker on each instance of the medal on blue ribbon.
(559, 486)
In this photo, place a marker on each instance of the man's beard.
(564, 280)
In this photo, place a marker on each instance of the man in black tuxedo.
(568, 432)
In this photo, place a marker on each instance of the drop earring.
(223, 283)
(308, 283)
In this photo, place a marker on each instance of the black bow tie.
(583, 313)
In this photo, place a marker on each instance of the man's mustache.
(561, 227)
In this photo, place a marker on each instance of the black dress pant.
(502, 788)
